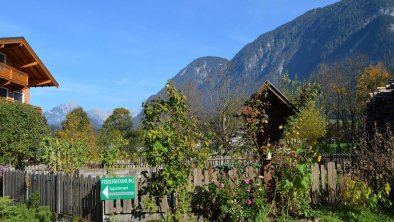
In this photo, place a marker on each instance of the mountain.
(58, 114)
(323, 35)
(195, 78)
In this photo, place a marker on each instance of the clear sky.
(108, 54)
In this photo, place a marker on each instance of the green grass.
(330, 148)
(337, 215)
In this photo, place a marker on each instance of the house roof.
(26, 60)
(273, 91)
(267, 85)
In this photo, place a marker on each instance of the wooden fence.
(344, 160)
(80, 195)
(70, 195)
(327, 181)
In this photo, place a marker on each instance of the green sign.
(117, 188)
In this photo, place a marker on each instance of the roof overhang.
(268, 87)
(26, 60)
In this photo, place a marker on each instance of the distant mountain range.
(58, 114)
(323, 35)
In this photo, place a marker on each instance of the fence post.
(332, 181)
(315, 183)
(57, 190)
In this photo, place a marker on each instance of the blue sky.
(108, 54)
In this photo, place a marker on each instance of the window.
(3, 58)
(3, 92)
(18, 96)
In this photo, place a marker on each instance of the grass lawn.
(334, 215)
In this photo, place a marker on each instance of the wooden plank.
(315, 183)
(76, 197)
(99, 213)
(323, 176)
(65, 194)
(85, 198)
(58, 192)
(89, 198)
(118, 208)
(164, 204)
(206, 177)
(4, 193)
(107, 209)
(17, 186)
(12, 185)
(47, 189)
(8, 184)
(69, 195)
(127, 206)
(331, 181)
(197, 178)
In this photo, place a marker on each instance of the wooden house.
(266, 111)
(20, 69)
(273, 113)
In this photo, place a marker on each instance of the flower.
(261, 176)
(248, 202)
(241, 220)
(221, 185)
(318, 159)
(246, 180)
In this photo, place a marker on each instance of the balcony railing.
(13, 75)
(11, 100)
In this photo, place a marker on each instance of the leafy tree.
(307, 128)
(309, 125)
(60, 155)
(22, 129)
(338, 97)
(117, 131)
(78, 129)
(120, 119)
(367, 82)
(174, 144)
(113, 144)
(219, 117)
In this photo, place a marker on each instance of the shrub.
(10, 212)
(243, 199)
(22, 129)
(357, 195)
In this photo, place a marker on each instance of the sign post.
(117, 188)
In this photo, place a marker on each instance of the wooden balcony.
(11, 100)
(13, 75)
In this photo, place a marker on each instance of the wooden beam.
(12, 45)
(39, 82)
(26, 64)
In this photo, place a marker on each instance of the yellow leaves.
(372, 77)
(387, 188)
(319, 158)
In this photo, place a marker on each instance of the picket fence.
(79, 195)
